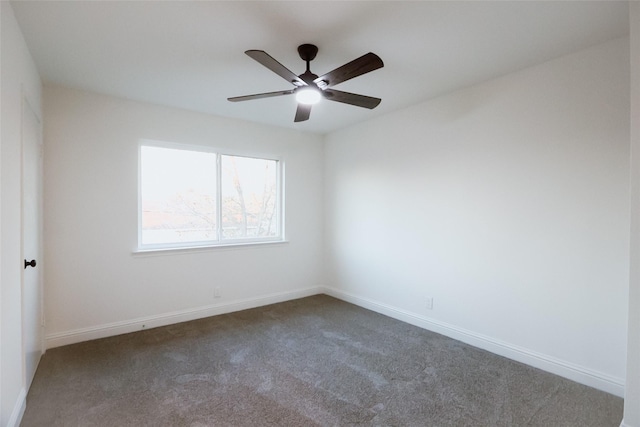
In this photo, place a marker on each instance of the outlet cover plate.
(428, 302)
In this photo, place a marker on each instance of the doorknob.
(31, 263)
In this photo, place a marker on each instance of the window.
(194, 197)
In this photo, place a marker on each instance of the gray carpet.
(313, 361)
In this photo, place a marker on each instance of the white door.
(32, 324)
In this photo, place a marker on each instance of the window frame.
(219, 242)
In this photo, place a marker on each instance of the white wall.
(94, 285)
(632, 385)
(19, 78)
(506, 202)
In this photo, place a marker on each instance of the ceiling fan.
(309, 88)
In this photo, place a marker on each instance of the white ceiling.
(190, 54)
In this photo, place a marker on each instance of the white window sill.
(191, 249)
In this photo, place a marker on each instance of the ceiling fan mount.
(309, 88)
(307, 52)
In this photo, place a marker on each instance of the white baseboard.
(556, 366)
(133, 325)
(18, 409)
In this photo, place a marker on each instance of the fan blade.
(260, 95)
(351, 98)
(355, 68)
(302, 113)
(267, 60)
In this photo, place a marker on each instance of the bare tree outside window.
(248, 197)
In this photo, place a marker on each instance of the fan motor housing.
(308, 77)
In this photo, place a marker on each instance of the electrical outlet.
(216, 292)
(428, 303)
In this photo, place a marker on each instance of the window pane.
(249, 197)
(178, 196)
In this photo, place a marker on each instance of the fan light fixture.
(308, 95)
